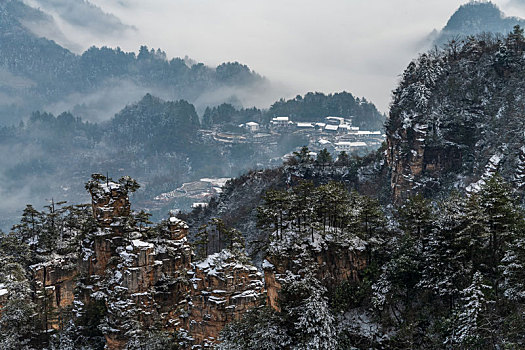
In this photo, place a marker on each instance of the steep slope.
(456, 117)
(107, 279)
(237, 205)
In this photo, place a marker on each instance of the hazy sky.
(360, 46)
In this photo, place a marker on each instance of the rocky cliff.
(123, 280)
(457, 115)
(331, 262)
(223, 289)
(145, 281)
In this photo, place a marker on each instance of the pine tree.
(399, 277)
(18, 315)
(259, 329)
(303, 156)
(52, 228)
(473, 328)
(513, 270)
(519, 175)
(202, 241)
(342, 159)
(273, 212)
(416, 217)
(370, 216)
(442, 273)
(309, 311)
(324, 158)
(301, 209)
(129, 184)
(142, 219)
(30, 225)
(501, 217)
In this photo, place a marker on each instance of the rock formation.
(146, 281)
(223, 288)
(332, 266)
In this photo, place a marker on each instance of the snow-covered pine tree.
(314, 323)
(472, 328)
(442, 272)
(415, 217)
(502, 218)
(513, 269)
(519, 175)
(19, 314)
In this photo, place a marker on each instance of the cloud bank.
(333, 45)
(358, 46)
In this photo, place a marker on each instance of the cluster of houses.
(337, 134)
(329, 125)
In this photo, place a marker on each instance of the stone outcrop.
(55, 283)
(142, 280)
(417, 166)
(147, 281)
(223, 288)
(110, 202)
(331, 267)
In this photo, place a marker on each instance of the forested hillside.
(456, 117)
(39, 74)
(417, 245)
(443, 256)
(310, 106)
(161, 143)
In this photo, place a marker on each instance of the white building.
(199, 205)
(366, 133)
(305, 125)
(281, 121)
(335, 120)
(348, 146)
(332, 128)
(252, 126)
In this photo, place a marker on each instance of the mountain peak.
(477, 17)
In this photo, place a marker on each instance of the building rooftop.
(331, 127)
(351, 144)
(305, 125)
(366, 132)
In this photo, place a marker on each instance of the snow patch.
(141, 244)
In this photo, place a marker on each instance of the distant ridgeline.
(40, 72)
(476, 17)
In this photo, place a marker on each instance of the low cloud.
(334, 45)
(358, 46)
(78, 24)
(82, 13)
